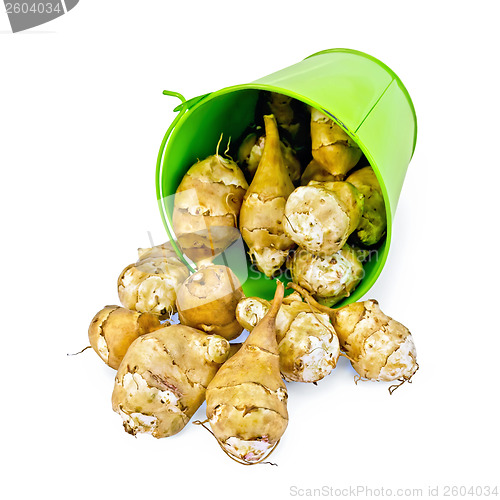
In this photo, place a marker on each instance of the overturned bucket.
(357, 91)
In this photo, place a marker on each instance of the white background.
(81, 120)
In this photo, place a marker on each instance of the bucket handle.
(180, 109)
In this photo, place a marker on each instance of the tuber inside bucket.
(356, 90)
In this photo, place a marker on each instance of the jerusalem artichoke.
(332, 148)
(250, 154)
(307, 343)
(379, 348)
(207, 300)
(246, 400)
(150, 285)
(328, 278)
(373, 222)
(261, 217)
(320, 216)
(114, 328)
(206, 207)
(162, 379)
(315, 172)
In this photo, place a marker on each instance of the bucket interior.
(196, 136)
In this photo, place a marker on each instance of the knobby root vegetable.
(165, 250)
(320, 216)
(328, 278)
(332, 148)
(150, 285)
(206, 207)
(307, 343)
(250, 154)
(379, 348)
(364, 255)
(374, 219)
(261, 217)
(114, 328)
(246, 400)
(282, 107)
(234, 348)
(162, 379)
(315, 172)
(207, 300)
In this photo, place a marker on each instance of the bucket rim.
(386, 68)
(382, 256)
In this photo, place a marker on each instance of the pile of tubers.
(306, 202)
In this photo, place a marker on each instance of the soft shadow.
(27, 32)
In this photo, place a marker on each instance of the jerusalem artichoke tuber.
(332, 148)
(320, 216)
(250, 154)
(207, 300)
(206, 207)
(261, 217)
(328, 278)
(315, 172)
(162, 379)
(307, 343)
(114, 328)
(373, 222)
(379, 348)
(150, 285)
(246, 400)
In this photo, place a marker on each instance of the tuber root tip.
(79, 352)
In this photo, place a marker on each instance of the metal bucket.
(356, 90)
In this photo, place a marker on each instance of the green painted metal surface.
(358, 91)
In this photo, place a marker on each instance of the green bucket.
(359, 92)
